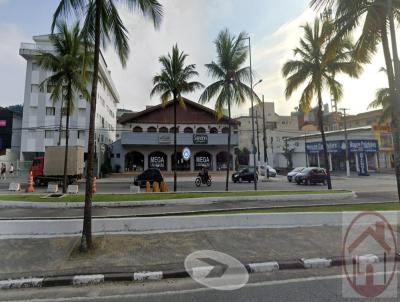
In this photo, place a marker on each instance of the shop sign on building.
(370, 146)
(202, 161)
(200, 139)
(158, 162)
(164, 139)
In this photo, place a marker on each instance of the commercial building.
(308, 150)
(42, 117)
(10, 136)
(278, 128)
(147, 139)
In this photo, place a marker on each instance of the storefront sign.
(164, 139)
(186, 153)
(370, 146)
(158, 162)
(202, 161)
(362, 164)
(200, 139)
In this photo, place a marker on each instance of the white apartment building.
(277, 129)
(42, 117)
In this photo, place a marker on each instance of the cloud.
(13, 66)
(275, 49)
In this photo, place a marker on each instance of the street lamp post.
(258, 138)
(346, 141)
(265, 134)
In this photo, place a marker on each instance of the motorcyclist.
(203, 174)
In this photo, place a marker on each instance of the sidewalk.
(167, 251)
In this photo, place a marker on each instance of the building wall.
(41, 116)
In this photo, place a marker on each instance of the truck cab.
(37, 167)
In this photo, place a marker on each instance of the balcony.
(183, 139)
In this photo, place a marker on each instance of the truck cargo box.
(54, 160)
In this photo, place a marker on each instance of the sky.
(274, 27)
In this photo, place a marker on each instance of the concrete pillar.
(214, 160)
(330, 162)
(146, 160)
(191, 163)
(169, 161)
(366, 161)
(319, 161)
(376, 162)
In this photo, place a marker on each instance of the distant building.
(42, 117)
(10, 136)
(147, 139)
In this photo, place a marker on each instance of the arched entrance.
(221, 161)
(202, 159)
(134, 161)
(158, 160)
(181, 164)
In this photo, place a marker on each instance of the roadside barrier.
(52, 188)
(14, 186)
(72, 189)
(30, 188)
(163, 187)
(156, 187)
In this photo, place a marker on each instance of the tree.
(68, 77)
(376, 18)
(317, 68)
(103, 25)
(174, 80)
(231, 77)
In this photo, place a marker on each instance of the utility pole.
(258, 138)
(305, 147)
(346, 141)
(265, 134)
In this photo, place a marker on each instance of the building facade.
(278, 128)
(10, 136)
(42, 117)
(147, 139)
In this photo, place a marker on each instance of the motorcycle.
(201, 180)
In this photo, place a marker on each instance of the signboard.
(186, 154)
(3, 123)
(158, 161)
(370, 146)
(362, 164)
(164, 139)
(202, 160)
(200, 139)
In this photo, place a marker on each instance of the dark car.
(150, 175)
(292, 174)
(245, 174)
(311, 176)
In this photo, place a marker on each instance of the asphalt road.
(297, 286)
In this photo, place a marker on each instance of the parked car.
(292, 174)
(263, 170)
(149, 175)
(246, 174)
(311, 176)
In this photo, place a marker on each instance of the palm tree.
(68, 74)
(174, 80)
(376, 18)
(317, 68)
(102, 25)
(382, 100)
(231, 77)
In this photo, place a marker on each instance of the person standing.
(3, 171)
(11, 170)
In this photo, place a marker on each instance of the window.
(188, 130)
(137, 129)
(81, 134)
(35, 88)
(172, 130)
(48, 134)
(50, 110)
(35, 66)
(225, 130)
(213, 130)
(118, 155)
(50, 88)
(201, 130)
(151, 129)
(163, 130)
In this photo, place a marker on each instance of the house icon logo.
(369, 249)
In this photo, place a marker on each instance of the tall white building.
(42, 117)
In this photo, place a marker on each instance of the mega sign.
(200, 139)
(202, 161)
(340, 146)
(158, 162)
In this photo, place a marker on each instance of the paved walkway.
(154, 252)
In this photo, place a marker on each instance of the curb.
(252, 268)
(183, 201)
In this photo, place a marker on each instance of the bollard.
(94, 189)
(162, 186)
(165, 187)
(30, 188)
(156, 187)
(148, 189)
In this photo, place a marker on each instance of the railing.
(38, 47)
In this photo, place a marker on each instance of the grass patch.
(389, 206)
(155, 196)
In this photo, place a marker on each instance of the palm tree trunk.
(175, 153)
(60, 125)
(228, 153)
(86, 241)
(65, 181)
(321, 126)
(395, 101)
